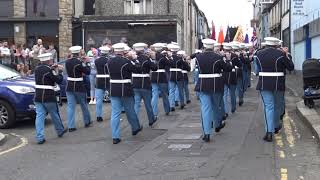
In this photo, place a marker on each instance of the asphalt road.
(173, 149)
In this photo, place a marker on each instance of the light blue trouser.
(73, 98)
(117, 104)
(144, 94)
(99, 98)
(229, 90)
(42, 109)
(272, 109)
(210, 110)
(92, 84)
(172, 89)
(163, 89)
(185, 92)
(240, 89)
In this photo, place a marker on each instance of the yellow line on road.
(284, 174)
(288, 131)
(282, 155)
(24, 142)
(279, 141)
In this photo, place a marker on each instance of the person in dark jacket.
(142, 82)
(46, 79)
(271, 63)
(121, 91)
(176, 77)
(239, 72)
(210, 87)
(76, 91)
(159, 80)
(185, 69)
(102, 80)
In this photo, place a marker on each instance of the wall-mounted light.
(17, 29)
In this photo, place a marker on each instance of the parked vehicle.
(311, 81)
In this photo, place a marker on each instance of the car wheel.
(7, 115)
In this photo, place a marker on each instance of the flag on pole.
(227, 38)
(213, 35)
(239, 35)
(221, 36)
(246, 39)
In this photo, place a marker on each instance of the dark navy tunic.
(231, 78)
(46, 79)
(160, 76)
(185, 69)
(272, 63)
(176, 64)
(102, 76)
(76, 69)
(211, 64)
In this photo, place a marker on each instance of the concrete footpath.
(309, 116)
(2, 138)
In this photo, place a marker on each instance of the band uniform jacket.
(121, 70)
(160, 76)
(46, 78)
(176, 64)
(185, 69)
(271, 64)
(210, 66)
(103, 77)
(76, 70)
(231, 78)
(141, 80)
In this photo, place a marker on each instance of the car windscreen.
(7, 73)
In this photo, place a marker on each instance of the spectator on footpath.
(53, 51)
(23, 70)
(5, 55)
(37, 50)
(25, 54)
(92, 78)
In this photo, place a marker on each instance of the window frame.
(131, 10)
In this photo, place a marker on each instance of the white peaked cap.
(181, 52)
(173, 47)
(163, 52)
(272, 41)
(217, 44)
(75, 49)
(263, 44)
(198, 51)
(248, 45)
(119, 47)
(235, 45)
(139, 46)
(227, 46)
(243, 45)
(45, 57)
(208, 43)
(158, 46)
(127, 48)
(175, 43)
(104, 49)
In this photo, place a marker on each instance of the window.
(89, 7)
(138, 6)
(42, 8)
(6, 8)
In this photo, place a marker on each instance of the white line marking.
(24, 142)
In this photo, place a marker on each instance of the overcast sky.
(227, 12)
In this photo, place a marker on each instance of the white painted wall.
(315, 47)
(299, 54)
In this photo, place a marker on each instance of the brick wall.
(19, 10)
(65, 27)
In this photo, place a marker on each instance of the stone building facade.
(149, 21)
(27, 20)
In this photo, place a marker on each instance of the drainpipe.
(83, 36)
(168, 6)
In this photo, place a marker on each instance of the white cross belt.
(74, 79)
(175, 69)
(140, 75)
(120, 81)
(271, 74)
(44, 87)
(103, 76)
(160, 71)
(183, 71)
(209, 75)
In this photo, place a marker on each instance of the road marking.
(288, 131)
(24, 142)
(284, 174)
(279, 141)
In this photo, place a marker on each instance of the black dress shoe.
(223, 124)
(137, 131)
(72, 129)
(154, 121)
(268, 137)
(224, 117)
(206, 138)
(182, 106)
(172, 109)
(227, 115)
(122, 112)
(41, 142)
(281, 116)
(167, 113)
(233, 111)
(188, 102)
(240, 103)
(99, 119)
(88, 125)
(116, 141)
(63, 132)
(176, 103)
(276, 130)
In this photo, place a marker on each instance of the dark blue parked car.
(16, 97)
